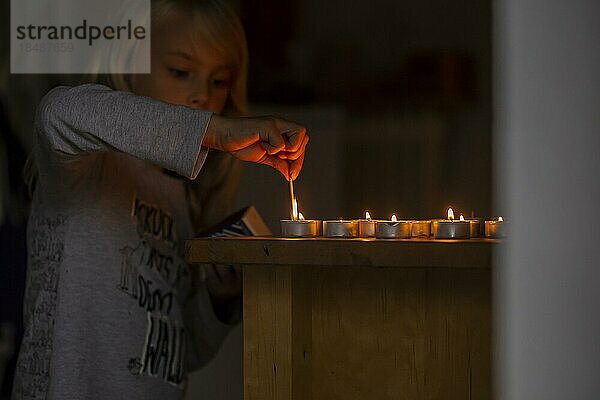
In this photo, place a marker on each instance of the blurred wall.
(548, 108)
(413, 77)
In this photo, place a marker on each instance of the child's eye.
(221, 83)
(178, 73)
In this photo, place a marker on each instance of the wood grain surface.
(419, 328)
(473, 253)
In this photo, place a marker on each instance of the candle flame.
(461, 218)
(294, 209)
(450, 214)
(500, 219)
(300, 216)
(394, 218)
(367, 215)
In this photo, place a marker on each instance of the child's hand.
(264, 140)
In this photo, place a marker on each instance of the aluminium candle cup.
(481, 226)
(495, 229)
(446, 229)
(300, 228)
(393, 229)
(475, 227)
(421, 229)
(340, 228)
(366, 227)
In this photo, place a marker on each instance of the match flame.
(300, 216)
(500, 219)
(294, 209)
(461, 218)
(450, 214)
(367, 215)
(394, 218)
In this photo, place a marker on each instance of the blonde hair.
(216, 23)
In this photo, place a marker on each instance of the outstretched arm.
(94, 118)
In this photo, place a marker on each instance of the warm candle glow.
(450, 214)
(394, 218)
(294, 209)
(300, 216)
(461, 218)
(500, 219)
(367, 215)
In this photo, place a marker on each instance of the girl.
(110, 309)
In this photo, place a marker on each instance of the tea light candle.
(474, 226)
(394, 229)
(421, 229)
(300, 227)
(480, 226)
(366, 227)
(495, 228)
(450, 229)
(340, 228)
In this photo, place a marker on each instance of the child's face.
(184, 71)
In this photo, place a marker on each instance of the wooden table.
(361, 318)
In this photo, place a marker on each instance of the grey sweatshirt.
(109, 308)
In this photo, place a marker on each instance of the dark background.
(396, 96)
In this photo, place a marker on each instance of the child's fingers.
(253, 153)
(271, 138)
(257, 154)
(296, 166)
(289, 155)
(279, 164)
(293, 134)
(295, 140)
(270, 149)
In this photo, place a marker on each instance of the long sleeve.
(94, 118)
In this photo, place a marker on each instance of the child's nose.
(200, 96)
